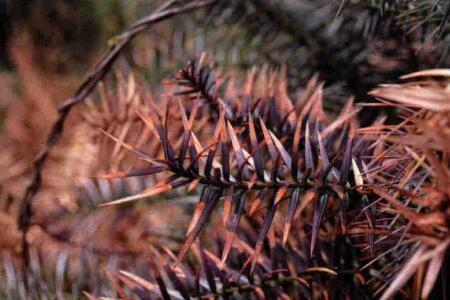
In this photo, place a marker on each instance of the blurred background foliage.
(47, 46)
(343, 41)
(352, 45)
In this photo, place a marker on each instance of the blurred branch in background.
(87, 86)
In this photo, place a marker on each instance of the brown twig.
(85, 89)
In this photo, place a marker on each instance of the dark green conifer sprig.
(278, 152)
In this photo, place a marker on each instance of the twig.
(85, 89)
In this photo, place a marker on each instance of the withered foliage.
(293, 202)
(411, 174)
(250, 192)
(369, 206)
